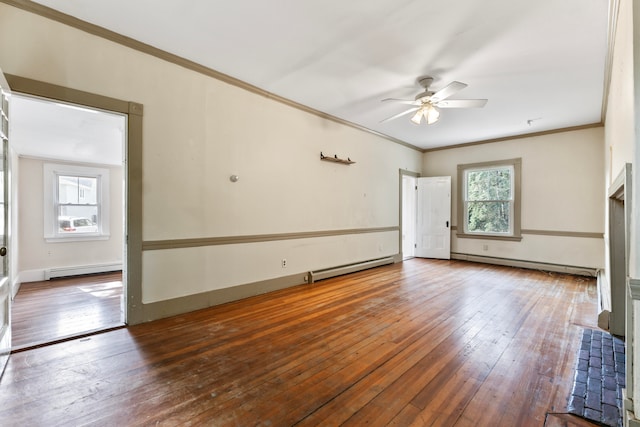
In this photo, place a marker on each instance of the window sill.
(87, 238)
(489, 237)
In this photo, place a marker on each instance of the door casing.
(132, 266)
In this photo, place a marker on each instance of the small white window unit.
(76, 203)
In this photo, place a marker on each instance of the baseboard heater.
(314, 276)
(53, 273)
(533, 265)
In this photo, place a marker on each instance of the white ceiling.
(541, 64)
(51, 130)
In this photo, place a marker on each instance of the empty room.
(320, 213)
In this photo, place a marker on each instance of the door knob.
(3, 251)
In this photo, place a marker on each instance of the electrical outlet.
(284, 263)
(485, 247)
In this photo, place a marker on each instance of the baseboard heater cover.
(314, 276)
(533, 265)
(53, 273)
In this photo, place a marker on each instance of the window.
(76, 203)
(489, 200)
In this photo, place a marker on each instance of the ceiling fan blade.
(402, 101)
(447, 91)
(404, 113)
(462, 103)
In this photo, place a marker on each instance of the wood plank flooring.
(56, 309)
(423, 342)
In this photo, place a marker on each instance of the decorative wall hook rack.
(336, 159)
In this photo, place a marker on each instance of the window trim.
(466, 202)
(461, 184)
(50, 173)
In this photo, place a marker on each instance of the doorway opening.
(68, 164)
(425, 216)
(408, 211)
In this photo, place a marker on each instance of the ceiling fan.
(427, 103)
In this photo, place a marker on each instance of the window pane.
(488, 217)
(77, 190)
(78, 219)
(68, 189)
(489, 184)
(88, 190)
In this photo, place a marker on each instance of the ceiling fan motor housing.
(422, 96)
(425, 82)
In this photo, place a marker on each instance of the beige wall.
(621, 141)
(622, 146)
(36, 255)
(197, 132)
(562, 191)
(619, 131)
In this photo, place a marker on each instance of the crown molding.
(104, 33)
(515, 137)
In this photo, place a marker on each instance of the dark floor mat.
(599, 379)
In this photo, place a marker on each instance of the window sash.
(488, 201)
(80, 189)
(469, 171)
(91, 210)
(94, 205)
(468, 228)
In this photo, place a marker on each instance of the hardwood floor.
(423, 342)
(56, 309)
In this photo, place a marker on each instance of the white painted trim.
(30, 276)
(15, 287)
(50, 190)
(78, 238)
(634, 288)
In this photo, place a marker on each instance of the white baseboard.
(15, 287)
(30, 276)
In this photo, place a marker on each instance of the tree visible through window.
(489, 199)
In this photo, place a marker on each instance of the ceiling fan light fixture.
(431, 114)
(417, 117)
(425, 103)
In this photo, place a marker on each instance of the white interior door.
(5, 283)
(434, 218)
(409, 197)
